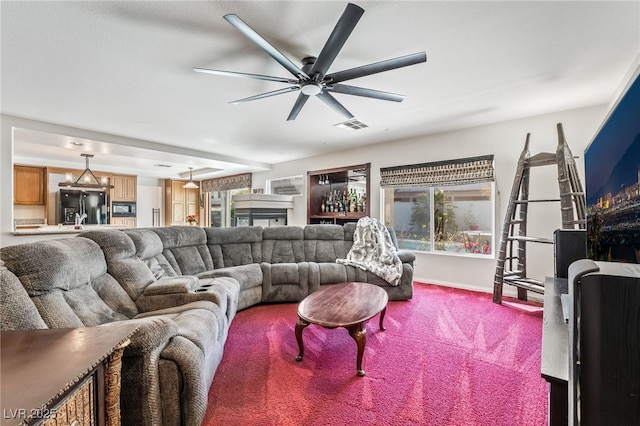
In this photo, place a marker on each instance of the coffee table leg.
(359, 334)
(384, 311)
(300, 325)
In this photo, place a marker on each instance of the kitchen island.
(61, 229)
(27, 234)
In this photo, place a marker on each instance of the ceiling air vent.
(352, 124)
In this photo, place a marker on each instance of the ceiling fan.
(312, 79)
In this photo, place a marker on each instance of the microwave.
(123, 209)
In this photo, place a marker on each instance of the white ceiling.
(125, 69)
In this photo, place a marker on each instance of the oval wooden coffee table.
(349, 305)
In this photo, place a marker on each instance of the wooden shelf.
(341, 180)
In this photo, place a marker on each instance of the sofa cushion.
(172, 285)
(18, 311)
(122, 263)
(285, 282)
(249, 276)
(149, 249)
(325, 243)
(59, 276)
(283, 244)
(234, 246)
(185, 248)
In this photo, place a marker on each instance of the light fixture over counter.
(191, 184)
(87, 179)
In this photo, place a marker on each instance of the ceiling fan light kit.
(312, 79)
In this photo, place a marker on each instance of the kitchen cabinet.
(338, 195)
(124, 188)
(124, 221)
(28, 185)
(180, 202)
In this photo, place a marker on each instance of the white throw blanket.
(373, 251)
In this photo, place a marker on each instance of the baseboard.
(508, 291)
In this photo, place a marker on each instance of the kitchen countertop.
(65, 229)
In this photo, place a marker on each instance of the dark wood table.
(62, 376)
(349, 305)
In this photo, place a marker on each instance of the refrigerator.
(95, 204)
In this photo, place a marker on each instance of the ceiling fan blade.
(245, 75)
(377, 67)
(267, 47)
(266, 95)
(369, 93)
(302, 99)
(338, 37)
(334, 104)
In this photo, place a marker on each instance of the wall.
(505, 141)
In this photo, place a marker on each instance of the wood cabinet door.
(28, 185)
(178, 203)
(130, 184)
(129, 222)
(192, 201)
(124, 188)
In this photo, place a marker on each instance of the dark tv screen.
(612, 176)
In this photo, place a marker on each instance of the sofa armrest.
(172, 285)
(178, 309)
(406, 256)
(151, 333)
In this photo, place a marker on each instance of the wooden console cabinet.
(62, 376)
(330, 186)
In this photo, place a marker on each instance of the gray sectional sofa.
(182, 286)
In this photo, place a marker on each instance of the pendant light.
(191, 184)
(87, 179)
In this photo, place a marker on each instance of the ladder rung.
(510, 273)
(541, 159)
(536, 201)
(531, 239)
(528, 283)
(526, 280)
(572, 193)
(515, 222)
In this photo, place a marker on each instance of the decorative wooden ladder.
(514, 232)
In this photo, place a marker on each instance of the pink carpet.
(448, 357)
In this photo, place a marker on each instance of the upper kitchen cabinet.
(29, 185)
(124, 188)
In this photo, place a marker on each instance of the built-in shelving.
(338, 195)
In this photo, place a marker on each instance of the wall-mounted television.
(612, 182)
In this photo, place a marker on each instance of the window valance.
(441, 173)
(227, 183)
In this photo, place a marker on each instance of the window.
(445, 207)
(220, 192)
(293, 185)
(222, 210)
(452, 219)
